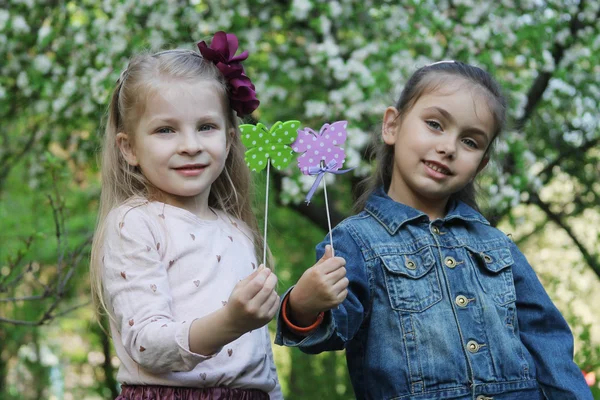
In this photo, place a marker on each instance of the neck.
(434, 208)
(197, 205)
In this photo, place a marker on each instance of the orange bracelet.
(296, 329)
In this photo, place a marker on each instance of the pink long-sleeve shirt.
(164, 267)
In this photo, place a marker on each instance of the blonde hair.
(232, 190)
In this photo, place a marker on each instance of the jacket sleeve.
(546, 335)
(340, 324)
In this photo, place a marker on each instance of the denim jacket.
(443, 309)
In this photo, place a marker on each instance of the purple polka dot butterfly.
(322, 152)
(322, 146)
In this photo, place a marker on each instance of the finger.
(272, 300)
(342, 296)
(326, 256)
(332, 264)
(261, 267)
(250, 277)
(336, 275)
(270, 283)
(340, 285)
(250, 288)
(267, 288)
(274, 308)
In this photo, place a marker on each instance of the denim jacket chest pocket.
(411, 280)
(494, 272)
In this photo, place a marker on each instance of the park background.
(313, 60)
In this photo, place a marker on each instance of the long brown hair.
(426, 80)
(232, 190)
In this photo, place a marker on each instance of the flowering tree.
(318, 61)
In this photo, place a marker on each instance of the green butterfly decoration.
(264, 144)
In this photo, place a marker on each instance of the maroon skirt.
(139, 392)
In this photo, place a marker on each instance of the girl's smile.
(437, 170)
(191, 169)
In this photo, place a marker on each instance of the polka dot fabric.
(264, 144)
(322, 146)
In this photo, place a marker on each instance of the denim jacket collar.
(392, 215)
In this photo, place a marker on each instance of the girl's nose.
(190, 143)
(446, 148)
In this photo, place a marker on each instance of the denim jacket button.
(487, 258)
(450, 262)
(410, 264)
(435, 230)
(482, 397)
(473, 346)
(461, 301)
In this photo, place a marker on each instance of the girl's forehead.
(184, 96)
(467, 105)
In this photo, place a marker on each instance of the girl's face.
(439, 145)
(180, 142)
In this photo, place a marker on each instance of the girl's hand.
(253, 301)
(321, 288)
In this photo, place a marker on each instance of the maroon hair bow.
(221, 52)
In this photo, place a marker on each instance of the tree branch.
(590, 259)
(541, 82)
(577, 151)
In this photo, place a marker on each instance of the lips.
(190, 167)
(441, 168)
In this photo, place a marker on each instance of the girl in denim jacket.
(435, 303)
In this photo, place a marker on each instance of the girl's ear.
(126, 149)
(390, 125)
(232, 132)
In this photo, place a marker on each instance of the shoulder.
(361, 227)
(349, 234)
(352, 222)
(135, 215)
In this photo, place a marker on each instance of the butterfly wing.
(332, 138)
(253, 137)
(252, 134)
(285, 133)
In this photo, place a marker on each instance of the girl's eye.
(434, 124)
(471, 143)
(205, 127)
(164, 129)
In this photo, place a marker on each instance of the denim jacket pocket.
(411, 280)
(495, 273)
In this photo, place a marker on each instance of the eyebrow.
(449, 117)
(173, 121)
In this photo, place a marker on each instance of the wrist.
(298, 313)
(232, 322)
(299, 330)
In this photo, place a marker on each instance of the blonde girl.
(174, 256)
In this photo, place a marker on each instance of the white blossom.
(4, 17)
(42, 63)
(301, 8)
(19, 25)
(335, 9)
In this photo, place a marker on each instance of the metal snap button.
(435, 230)
(461, 301)
(473, 346)
(482, 397)
(487, 258)
(410, 264)
(450, 262)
